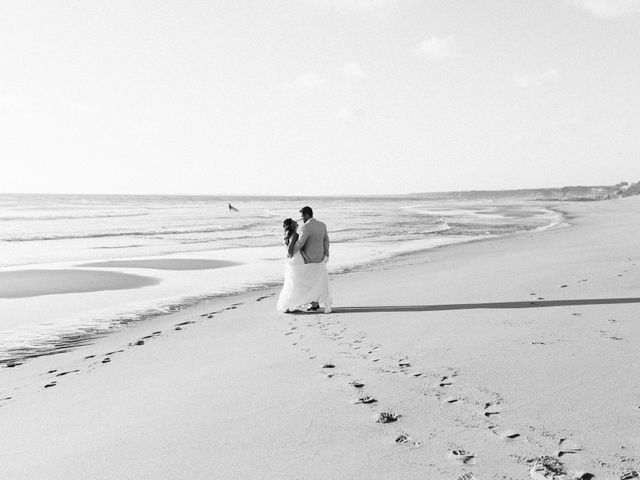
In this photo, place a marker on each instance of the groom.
(313, 241)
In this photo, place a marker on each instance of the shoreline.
(64, 341)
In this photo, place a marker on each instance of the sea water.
(67, 231)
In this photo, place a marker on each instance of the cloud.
(528, 80)
(306, 81)
(607, 8)
(437, 48)
(354, 71)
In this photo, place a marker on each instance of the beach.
(510, 357)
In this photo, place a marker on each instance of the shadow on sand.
(469, 306)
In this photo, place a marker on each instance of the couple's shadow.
(488, 305)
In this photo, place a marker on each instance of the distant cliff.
(627, 190)
(575, 193)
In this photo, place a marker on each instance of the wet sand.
(37, 282)
(164, 264)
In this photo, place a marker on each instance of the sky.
(317, 97)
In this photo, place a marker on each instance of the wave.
(553, 226)
(69, 217)
(232, 239)
(132, 233)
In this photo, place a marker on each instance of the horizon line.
(337, 195)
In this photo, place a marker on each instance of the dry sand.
(507, 358)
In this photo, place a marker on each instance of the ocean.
(66, 232)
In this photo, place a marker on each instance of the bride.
(304, 283)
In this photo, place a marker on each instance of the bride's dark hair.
(287, 224)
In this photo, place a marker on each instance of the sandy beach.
(514, 357)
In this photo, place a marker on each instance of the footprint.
(630, 475)
(356, 384)
(184, 323)
(106, 360)
(462, 457)
(567, 443)
(466, 476)
(562, 453)
(505, 433)
(62, 374)
(113, 353)
(328, 365)
(545, 468)
(490, 409)
(615, 338)
(450, 400)
(564, 286)
(49, 385)
(386, 417)
(366, 399)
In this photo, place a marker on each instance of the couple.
(306, 280)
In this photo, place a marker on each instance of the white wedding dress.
(304, 283)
